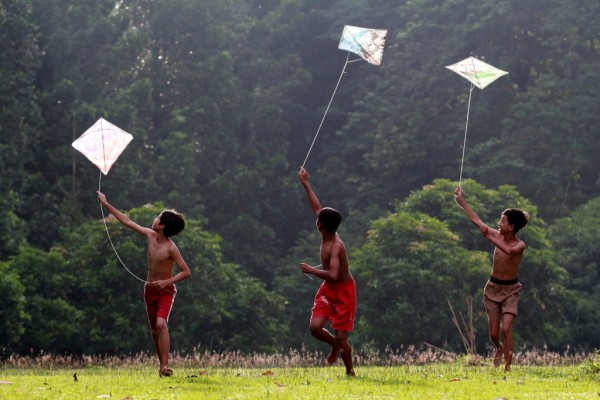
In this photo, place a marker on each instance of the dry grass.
(411, 355)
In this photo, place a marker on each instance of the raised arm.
(122, 218)
(312, 197)
(460, 200)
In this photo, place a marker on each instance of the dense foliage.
(223, 99)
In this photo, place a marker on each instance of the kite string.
(327, 109)
(465, 139)
(110, 240)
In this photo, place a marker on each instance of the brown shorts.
(500, 299)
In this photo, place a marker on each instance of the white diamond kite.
(367, 43)
(480, 74)
(477, 72)
(102, 144)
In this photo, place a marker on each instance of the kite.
(366, 43)
(480, 74)
(102, 144)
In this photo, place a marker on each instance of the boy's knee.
(161, 324)
(341, 338)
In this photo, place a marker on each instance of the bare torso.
(506, 266)
(160, 261)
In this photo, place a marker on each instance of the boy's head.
(330, 219)
(516, 218)
(173, 222)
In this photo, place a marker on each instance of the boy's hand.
(303, 174)
(161, 284)
(305, 268)
(101, 198)
(458, 195)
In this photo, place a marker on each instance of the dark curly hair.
(516, 218)
(173, 222)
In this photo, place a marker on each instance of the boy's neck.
(328, 237)
(508, 236)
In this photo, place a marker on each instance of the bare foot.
(507, 361)
(165, 371)
(350, 372)
(498, 357)
(333, 356)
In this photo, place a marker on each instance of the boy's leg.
(341, 338)
(494, 331)
(162, 344)
(317, 329)
(507, 320)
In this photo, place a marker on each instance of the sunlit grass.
(235, 376)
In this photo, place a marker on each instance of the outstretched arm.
(490, 234)
(460, 200)
(312, 197)
(124, 219)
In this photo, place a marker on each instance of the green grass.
(441, 380)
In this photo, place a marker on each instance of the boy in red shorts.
(503, 290)
(336, 298)
(159, 290)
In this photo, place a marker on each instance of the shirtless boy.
(502, 291)
(159, 290)
(336, 298)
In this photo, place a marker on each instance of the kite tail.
(465, 140)
(327, 109)
(110, 240)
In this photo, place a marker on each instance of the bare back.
(333, 255)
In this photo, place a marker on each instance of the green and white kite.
(477, 72)
(480, 74)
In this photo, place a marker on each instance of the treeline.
(223, 99)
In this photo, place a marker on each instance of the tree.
(575, 239)
(20, 120)
(12, 309)
(411, 256)
(411, 266)
(54, 321)
(214, 308)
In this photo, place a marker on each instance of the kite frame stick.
(327, 109)
(465, 139)
(110, 240)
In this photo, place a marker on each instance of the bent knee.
(161, 324)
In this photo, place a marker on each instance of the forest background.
(223, 99)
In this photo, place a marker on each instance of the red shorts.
(337, 302)
(159, 303)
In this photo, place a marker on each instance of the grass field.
(276, 377)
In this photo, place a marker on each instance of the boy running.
(502, 291)
(336, 298)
